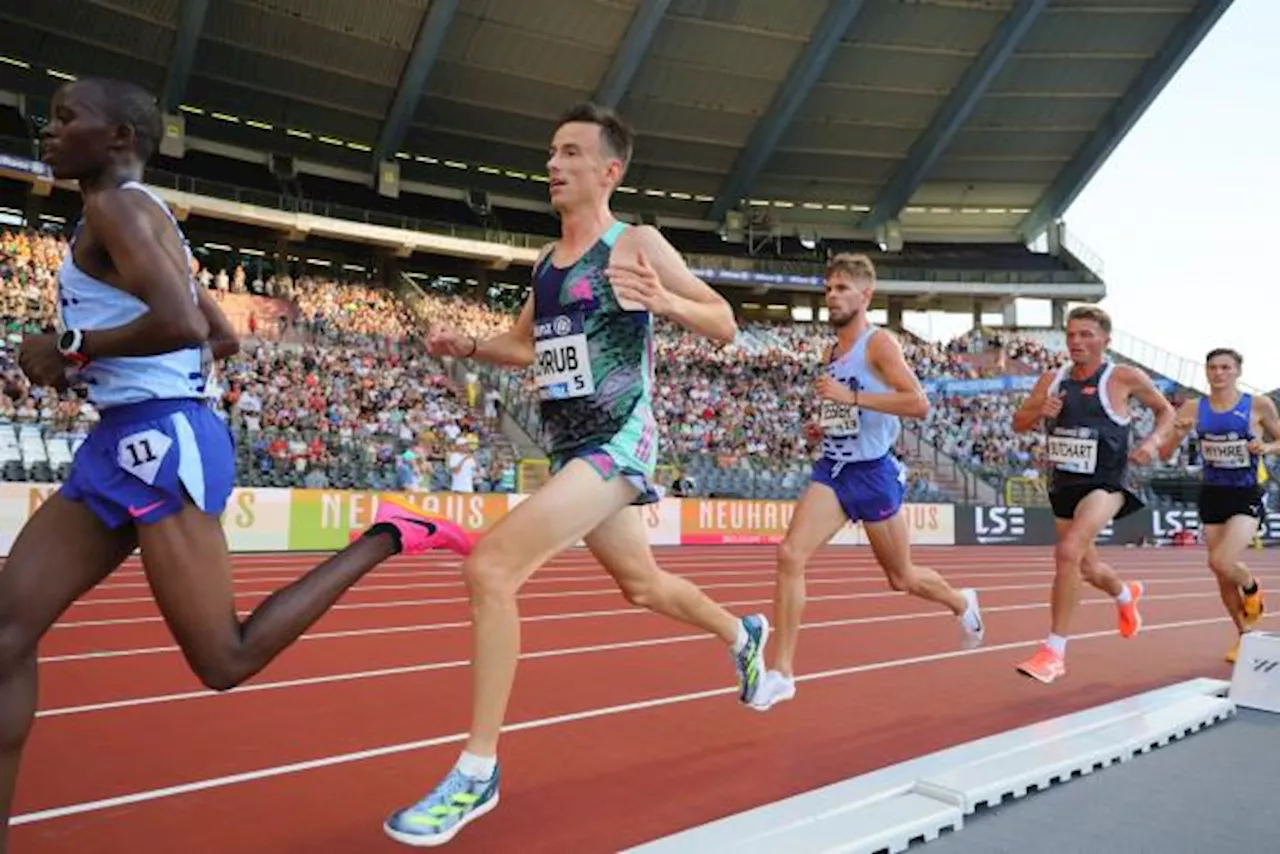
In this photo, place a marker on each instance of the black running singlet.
(1088, 443)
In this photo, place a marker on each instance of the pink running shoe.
(417, 531)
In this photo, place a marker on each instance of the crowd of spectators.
(350, 390)
(333, 384)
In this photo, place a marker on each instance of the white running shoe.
(971, 621)
(774, 688)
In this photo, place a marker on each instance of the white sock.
(741, 642)
(477, 767)
(1057, 643)
(1125, 597)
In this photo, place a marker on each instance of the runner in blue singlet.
(155, 473)
(1230, 426)
(865, 389)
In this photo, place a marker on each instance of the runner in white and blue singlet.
(866, 388)
(156, 471)
(1230, 426)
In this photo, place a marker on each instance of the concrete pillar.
(1059, 314)
(896, 307)
(1011, 314)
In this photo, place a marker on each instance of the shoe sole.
(1041, 679)
(781, 698)
(416, 841)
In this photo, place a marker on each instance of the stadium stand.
(333, 228)
(387, 417)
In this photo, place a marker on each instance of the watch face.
(65, 340)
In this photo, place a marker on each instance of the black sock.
(387, 528)
(1252, 588)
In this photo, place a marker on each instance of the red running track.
(623, 727)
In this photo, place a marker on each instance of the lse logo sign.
(999, 524)
(1166, 523)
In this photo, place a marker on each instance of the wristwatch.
(69, 344)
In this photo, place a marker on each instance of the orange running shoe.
(1252, 607)
(1045, 666)
(1130, 618)
(1234, 652)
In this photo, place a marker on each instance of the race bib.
(1226, 454)
(1074, 454)
(839, 420)
(563, 363)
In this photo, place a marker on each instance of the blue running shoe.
(437, 818)
(750, 660)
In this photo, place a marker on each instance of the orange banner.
(710, 521)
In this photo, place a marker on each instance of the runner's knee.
(640, 590)
(1071, 550)
(492, 571)
(219, 667)
(1222, 563)
(792, 558)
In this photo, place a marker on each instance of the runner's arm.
(513, 347)
(1141, 387)
(907, 399)
(223, 340)
(1271, 423)
(1182, 424)
(693, 303)
(123, 222)
(1031, 413)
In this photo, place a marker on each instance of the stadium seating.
(333, 389)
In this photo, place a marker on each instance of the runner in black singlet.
(1085, 409)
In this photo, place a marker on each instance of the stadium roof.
(955, 119)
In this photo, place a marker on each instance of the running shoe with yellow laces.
(459, 800)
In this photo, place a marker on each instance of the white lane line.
(537, 723)
(159, 699)
(822, 576)
(562, 575)
(564, 594)
(544, 618)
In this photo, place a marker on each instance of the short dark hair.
(129, 104)
(618, 136)
(1225, 351)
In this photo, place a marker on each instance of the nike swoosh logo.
(139, 512)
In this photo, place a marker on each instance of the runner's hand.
(446, 341)
(1052, 407)
(832, 389)
(42, 362)
(1144, 454)
(637, 282)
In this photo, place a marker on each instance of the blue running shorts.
(143, 461)
(868, 490)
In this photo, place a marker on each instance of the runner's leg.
(61, 553)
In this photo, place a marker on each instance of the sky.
(1185, 214)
